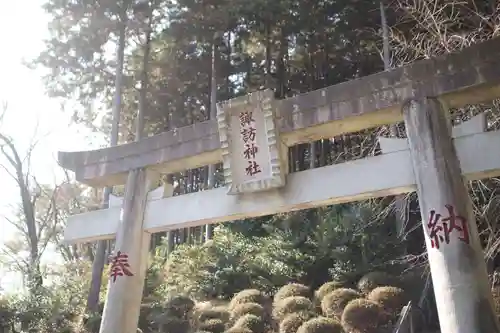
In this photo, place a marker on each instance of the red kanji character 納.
(453, 220)
(252, 168)
(120, 266)
(248, 134)
(246, 118)
(250, 150)
(441, 233)
(434, 229)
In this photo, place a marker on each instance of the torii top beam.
(471, 76)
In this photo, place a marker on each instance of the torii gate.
(250, 137)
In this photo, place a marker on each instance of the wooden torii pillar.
(455, 254)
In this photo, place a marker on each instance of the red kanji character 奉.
(248, 134)
(441, 233)
(246, 118)
(253, 168)
(120, 266)
(250, 150)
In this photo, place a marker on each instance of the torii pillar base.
(458, 269)
(123, 299)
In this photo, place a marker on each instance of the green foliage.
(289, 305)
(6, 313)
(225, 268)
(175, 325)
(179, 306)
(321, 325)
(252, 322)
(333, 304)
(363, 316)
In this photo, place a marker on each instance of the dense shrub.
(247, 308)
(248, 296)
(292, 322)
(333, 304)
(223, 268)
(373, 280)
(179, 306)
(175, 325)
(363, 316)
(293, 304)
(292, 289)
(6, 313)
(254, 323)
(321, 325)
(392, 299)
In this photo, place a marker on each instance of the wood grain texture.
(458, 269)
(123, 299)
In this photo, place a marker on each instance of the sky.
(31, 114)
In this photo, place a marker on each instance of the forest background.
(184, 55)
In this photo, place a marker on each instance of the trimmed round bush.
(247, 308)
(321, 325)
(363, 316)
(293, 304)
(392, 299)
(235, 329)
(333, 304)
(252, 322)
(248, 296)
(179, 306)
(213, 313)
(292, 322)
(212, 326)
(373, 280)
(292, 289)
(327, 288)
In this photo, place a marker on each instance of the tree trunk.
(100, 255)
(123, 301)
(400, 203)
(212, 115)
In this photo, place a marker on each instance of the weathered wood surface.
(388, 174)
(471, 76)
(123, 299)
(458, 269)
